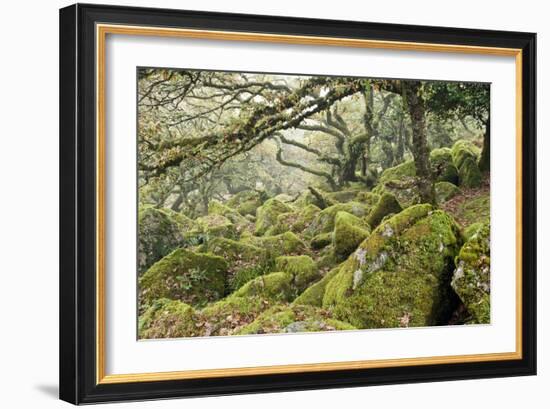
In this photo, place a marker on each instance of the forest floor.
(470, 204)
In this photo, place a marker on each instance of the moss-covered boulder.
(465, 157)
(276, 286)
(285, 244)
(321, 241)
(368, 198)
(463, 149)
(349, 232)
(472, 229)
(226, 316)
(400, 275)
(167, 319)
(159, 232)
(469, 173)
(266, 215)
(296, 221)
(471, 278)
(445, 191)
(314, 294)
(405, 190)
(327, 258)
(239, 255)
(387, 204)
(401, 171)
(193, 278)
(324, 221)
(305, 198)
(442, 166)
(303, 269)
(294, 318)
(285, 198)
(217, 208)
(215, 225)
(343, 196)
(246, 202)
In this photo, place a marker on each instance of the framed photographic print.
(257, 203)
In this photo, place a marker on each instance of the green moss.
(294, 318)
(442, 166)
(303, 269)
(474, 210)
(295, 221)
(472, 229)
(245, 260)
(328, 258)
(193, 278)
(386, 205)
(462, 150)
(368, 198)
(321, 240)
(324, 221)
(215, 225)
(283, 197)
(276, 286)
(349, 232)
(469, 173)
(167, 319)
(239, 255)
(246, 202)
(160, 232)
(245, 274)
(217, 208)
(465, 157)
(285, 244)
(471, 278)
(445, 191)
(228, 315)
(305, 198)
(314, 294)
(405, 190)
(405, 169)
(400, 275)
(266, 215)
(343, 196)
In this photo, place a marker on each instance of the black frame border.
(78, 210)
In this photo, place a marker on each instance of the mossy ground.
(349, 259)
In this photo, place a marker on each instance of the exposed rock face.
(400, 275)
(471, 278)
(193, 278)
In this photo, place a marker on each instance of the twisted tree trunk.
(420, 151)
